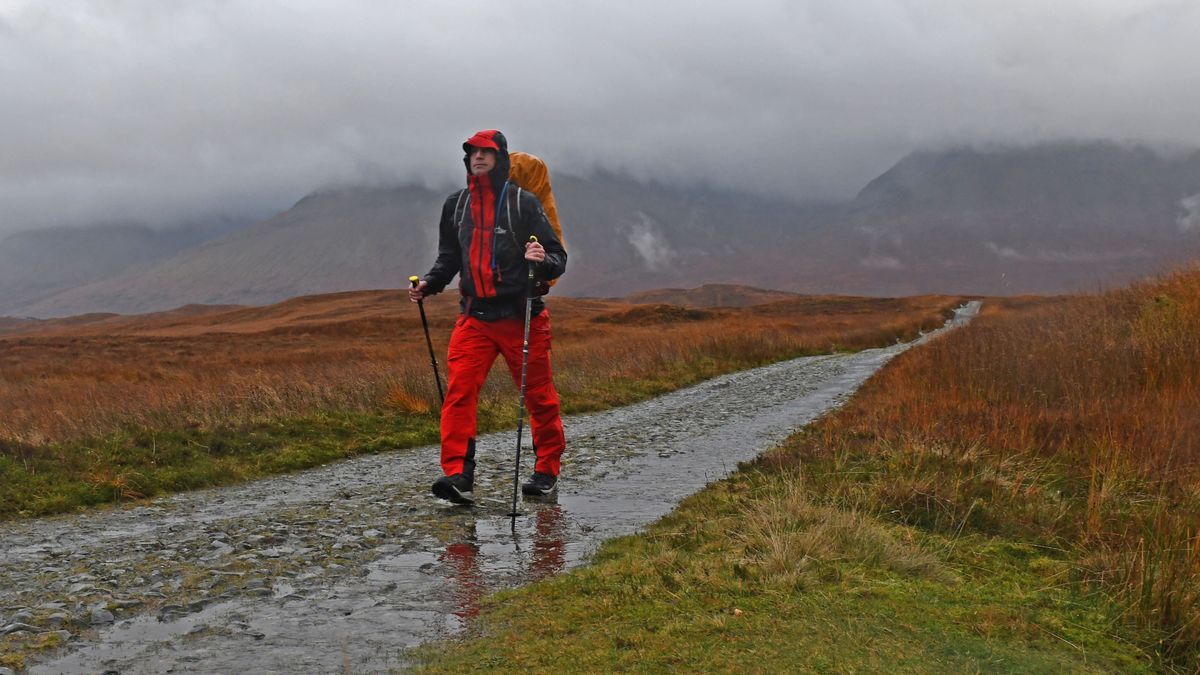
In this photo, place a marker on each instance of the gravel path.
(343, 567)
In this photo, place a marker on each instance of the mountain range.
(1048, 218)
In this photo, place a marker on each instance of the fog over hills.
(1047, 218)
(38, 264)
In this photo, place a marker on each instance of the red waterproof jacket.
(482, 237)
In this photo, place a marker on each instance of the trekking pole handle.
(414, 280)
(533, 240)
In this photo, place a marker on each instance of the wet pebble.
(19, 627)
(218, 549)
(100, 616)
(277, 552)
(199, 604)
(167, 612)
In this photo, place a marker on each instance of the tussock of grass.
(785, 534)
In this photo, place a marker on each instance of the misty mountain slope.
(624, 236)
(329, 241)
(621, 236)
(37, 264)
(1044, 219)
(709, 296)
(1050, 218)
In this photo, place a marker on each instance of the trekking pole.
(425, 324)
(521, 412)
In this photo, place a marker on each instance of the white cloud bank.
(167, 110)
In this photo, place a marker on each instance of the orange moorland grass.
(364, 351)
(1074, 419)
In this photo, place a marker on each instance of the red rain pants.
(474, 345)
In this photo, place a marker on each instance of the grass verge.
(1019, 496)
(754, 574)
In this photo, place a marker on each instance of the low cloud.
(1004, 251)
(651, 246)
(164, 111)
(1189, 220)
(1069, 256)
(881, 262)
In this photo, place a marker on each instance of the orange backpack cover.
(529, 172)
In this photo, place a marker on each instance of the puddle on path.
(344, 567)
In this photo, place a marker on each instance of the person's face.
(482, 160)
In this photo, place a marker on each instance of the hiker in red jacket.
(484, 237)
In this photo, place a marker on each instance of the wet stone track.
(345, 566)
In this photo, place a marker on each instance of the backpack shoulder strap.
(460, 207)
(518, 227)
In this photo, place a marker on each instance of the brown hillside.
(361, 350)
(710, 295)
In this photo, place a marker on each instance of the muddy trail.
(343, 567)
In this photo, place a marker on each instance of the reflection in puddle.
(467, 581)
(549, 545)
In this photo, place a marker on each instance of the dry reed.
(1078, 417)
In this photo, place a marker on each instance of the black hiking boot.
(539, 484)
(456, 488)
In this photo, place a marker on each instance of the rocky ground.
(346, 566)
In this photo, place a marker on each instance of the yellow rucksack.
(529, 172)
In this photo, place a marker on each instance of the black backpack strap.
(460, 207)
(521, 236)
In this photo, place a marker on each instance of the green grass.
(756, 573)
(139, 463)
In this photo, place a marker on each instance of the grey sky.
(162, 110)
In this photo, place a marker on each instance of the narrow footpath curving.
(345, 566)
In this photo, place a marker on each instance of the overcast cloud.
(164, 110)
